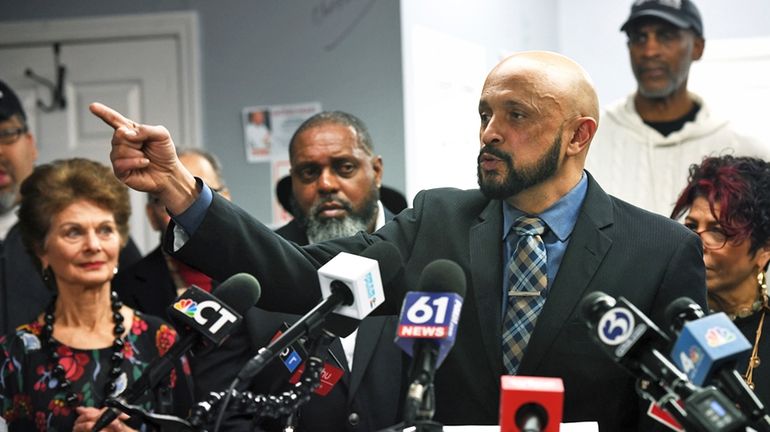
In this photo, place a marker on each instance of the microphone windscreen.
(388, 257)
(680, 311)
(593, 306)
(442, 275)
(240, 292)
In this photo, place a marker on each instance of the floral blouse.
(31, 399)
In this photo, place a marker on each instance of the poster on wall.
(267, 129)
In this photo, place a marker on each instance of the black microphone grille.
(388, 257)
(594, 305)
(443, 275)
(681, 310)
(240, 291)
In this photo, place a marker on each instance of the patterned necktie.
(527, 290)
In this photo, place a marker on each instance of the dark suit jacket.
(615, 247)
(22, 293)
(147, 285)
(367, 399)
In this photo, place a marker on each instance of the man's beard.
(518, 180)
(321, 229)
(675, 80)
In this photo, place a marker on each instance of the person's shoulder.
(620, 104)
(293, 231)
(152, 260)
(619, 113)
(660, 228)
(26, 337)
(451, 200)
(448, 193)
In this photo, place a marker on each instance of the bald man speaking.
(538, 114)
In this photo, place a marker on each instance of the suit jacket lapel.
(154, 272)
(341, 361)
(587, 248)
(369, 333)
(486, 273)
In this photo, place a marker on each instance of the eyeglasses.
(712, 238)
(10, 136)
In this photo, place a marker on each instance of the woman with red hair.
(727, 203)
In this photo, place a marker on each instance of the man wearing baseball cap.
(648, 140)
(22, 293)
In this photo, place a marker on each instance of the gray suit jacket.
(615, 247)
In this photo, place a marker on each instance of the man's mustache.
(347, 206)
(494, 152)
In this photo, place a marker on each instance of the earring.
(49, 280)
(115, 270)
(761, 281)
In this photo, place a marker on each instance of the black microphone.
(352, 286)
(427, 329)
(200, 319)
(632, 340)
(707, 348)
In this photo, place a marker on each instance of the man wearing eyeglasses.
(647, 140)
(22, 292)
(21, 297)
(153, 283)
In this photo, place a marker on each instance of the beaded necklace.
(70, 397)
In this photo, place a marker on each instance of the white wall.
(590, 34)
(448, 47)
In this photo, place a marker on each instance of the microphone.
(351, 286)
(201, 319)
(707, 349)
(632, 340)
(629, 337)
(427, 328)
(706, 345)
(530, 404)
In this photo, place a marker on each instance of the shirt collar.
(561, 217)
(7, 221)
(380, 216)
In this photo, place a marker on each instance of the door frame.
(182, 26)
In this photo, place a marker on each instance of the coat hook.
(58, 99)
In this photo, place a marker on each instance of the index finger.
(108, 115)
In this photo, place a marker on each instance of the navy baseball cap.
(681, 13)
(10, 103)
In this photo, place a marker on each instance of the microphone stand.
(268, 405)
(161, 422)
(419, 418)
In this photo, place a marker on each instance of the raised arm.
(144, 158)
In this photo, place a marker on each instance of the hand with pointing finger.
(144, 158)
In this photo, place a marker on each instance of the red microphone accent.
(530, 403)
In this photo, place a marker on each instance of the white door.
(140, 75)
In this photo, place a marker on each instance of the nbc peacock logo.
(187, 307)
